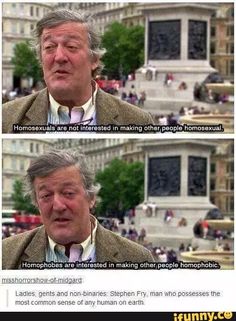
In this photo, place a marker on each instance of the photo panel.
(168, 68)
(174, 197)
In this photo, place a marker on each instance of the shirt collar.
(88, 245)
(88, 107)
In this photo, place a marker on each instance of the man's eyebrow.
(66, 37)
(65, 184)
(42, 187)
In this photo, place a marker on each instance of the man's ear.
(92, 203)
(95, 62)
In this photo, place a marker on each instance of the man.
(62, 187)
(68, 48)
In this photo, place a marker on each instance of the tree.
(121, 188)
(132, 180)
(134, 53)
(125, 49)
(22, 202)
(25, 63)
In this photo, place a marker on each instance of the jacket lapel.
(35, 251)
(38, 112)
(106, 249)
(106, 111)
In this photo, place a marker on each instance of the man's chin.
(63, 240)
(60, 90)
(61, 95)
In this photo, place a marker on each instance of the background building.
(222, 40)
(222, 177)
(129, 14)
(18, 21)
(99, 151)
(16, 157)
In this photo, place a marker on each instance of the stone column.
(177, 177)
(183, 25)
(182, 173)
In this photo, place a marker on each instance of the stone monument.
(177, 42)
(177, 176)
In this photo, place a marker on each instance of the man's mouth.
(61, 72)
(61, 220)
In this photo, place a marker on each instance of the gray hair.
(60, 16)
(46, 164)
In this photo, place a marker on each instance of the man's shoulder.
(17, 240)
(129, 248)
(124, 241)
(17, 247)
(127, 112)
(28, 110)
(23, 101)
(115, 100)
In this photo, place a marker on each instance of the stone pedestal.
(177, 177)
(177, 41)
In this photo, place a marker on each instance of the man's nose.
(60, 54)
(58, 204)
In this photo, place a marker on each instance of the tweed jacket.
(33, 110)
(30, 246)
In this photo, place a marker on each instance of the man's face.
(66, 59)
(64, 205)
